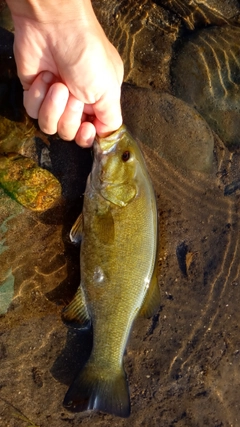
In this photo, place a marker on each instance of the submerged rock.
(17, 129)
(17, 137)
(197, 13)
(170, 127)
(207, 76)
(33, 187)
(144, 34)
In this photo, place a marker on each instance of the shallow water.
(183, 364)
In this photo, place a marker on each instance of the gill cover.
(119, 195)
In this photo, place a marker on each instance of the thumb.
(108, 115)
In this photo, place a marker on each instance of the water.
(183, 364)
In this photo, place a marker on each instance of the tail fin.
(93, 389)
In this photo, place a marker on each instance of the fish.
(118, 263)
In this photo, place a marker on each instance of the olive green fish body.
(116, 276)
(118, 257)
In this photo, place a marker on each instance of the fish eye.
(126, 156)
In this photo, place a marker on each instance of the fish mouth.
(95, 176)
(104, 145)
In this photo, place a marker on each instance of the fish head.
(115, 168)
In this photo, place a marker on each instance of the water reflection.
(183, 365)
(196, 13)
(207, 76)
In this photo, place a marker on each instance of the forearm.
(46, 11)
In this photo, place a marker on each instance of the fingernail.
(59, 93)
(47, 77)
(85, 135)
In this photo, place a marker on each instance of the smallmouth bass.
(118, 269)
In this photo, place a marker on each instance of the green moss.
(23, 180)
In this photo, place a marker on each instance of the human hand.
(70, 72)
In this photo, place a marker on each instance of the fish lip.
(113, 136)
(99, 152)
(96, 181)
(96, 148)
(105, 145)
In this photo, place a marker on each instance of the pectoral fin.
(76, 230)
(119, 195)
(152, 299)
(76, 313)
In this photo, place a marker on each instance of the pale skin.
(70, 72)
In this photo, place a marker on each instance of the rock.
(197, 13)
(170, 127)
(144, 34)
(207, 75)
(33, 187)
(16, 137)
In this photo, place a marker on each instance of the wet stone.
(170, 127)
(144, 34)
(207, 76)
(17, 129)
(33, 187)
(17, 137)
(197, 13)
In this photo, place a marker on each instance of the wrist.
(51, 11)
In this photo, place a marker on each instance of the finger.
(34, 96)
(70, 120)
(53, 107)
(86, 134)
(108, 115)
